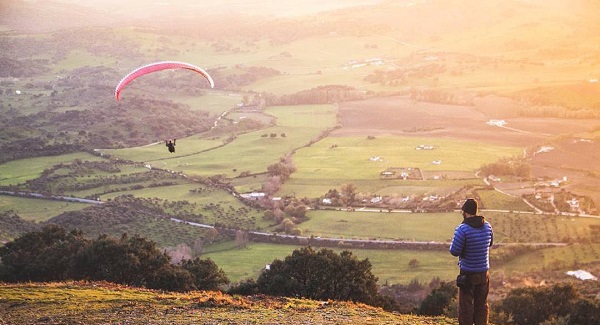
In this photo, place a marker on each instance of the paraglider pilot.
(171, 145)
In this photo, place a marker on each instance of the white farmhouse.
(496, 122)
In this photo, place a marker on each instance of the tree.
(127, 260)
(283, 169)
(535, 305)
(348, 193)
(438, 300)
(297, 211)
(172, 278)
(206, 275)
(269, 215)
(321, 275)
(211, 234)
(44, 255)
(241, 239)
(245, 287)
(585, 311)
(52, 254)
(414, 263)
(179, 253)
(198, 246)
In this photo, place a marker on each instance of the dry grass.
(106, 303)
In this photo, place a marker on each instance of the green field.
(389, 266)
(349, 157)
(35, 209)
(338, 160)
(313, 188)
(523, 228)
(492, 199)
(20, 171)
(248, 152)
(214, 102)
(381, 225)
(508, 227)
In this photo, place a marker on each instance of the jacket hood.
(475, 221)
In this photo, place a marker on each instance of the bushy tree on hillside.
(12, 225)
(170, 277)
(508, 167)
(206, 275)
(321, 275)
(46, 255)
(52, 254)
(438, 300)
(533, 306)
(128, 260)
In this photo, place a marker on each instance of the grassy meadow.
(338, 160)
(313, 188)
(492, 199)
(20, 171)
(389, 266)
(381, 225)
(349, 157)
(35, 209)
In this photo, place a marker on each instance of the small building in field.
(496, 122)
(253, 195)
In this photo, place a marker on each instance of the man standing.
(471, 243)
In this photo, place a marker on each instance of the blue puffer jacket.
(471, 243)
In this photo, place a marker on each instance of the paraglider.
(158, 66)
(171, 145)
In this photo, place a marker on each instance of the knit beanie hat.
(470, 207)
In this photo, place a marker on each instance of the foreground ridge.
(107, 303)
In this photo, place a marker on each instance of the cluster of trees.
(33, 147)
(346, 196)
(438, 96)
(286, 215)
(319, 275)
(11, 225)
(278, 173)
(53, 254)
(319, 95)
(68, 178)
(247, 76)
(20, 69)
(400, 76)
(508, 167)
(560, 304)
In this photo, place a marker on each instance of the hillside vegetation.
(106, 303)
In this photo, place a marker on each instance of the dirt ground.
(579, 161)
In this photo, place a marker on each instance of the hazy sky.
(142, 8)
